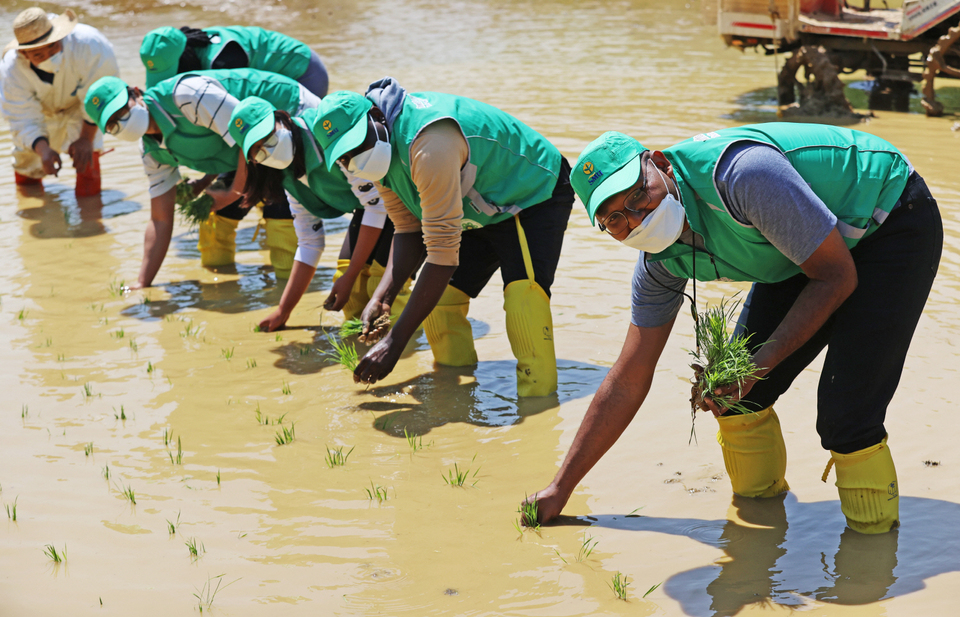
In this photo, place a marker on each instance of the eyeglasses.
(113, 126)
(266, 148)
(636, 201)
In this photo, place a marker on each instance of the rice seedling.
(122, 416)
(105, 472)
(22, 314)
(529, 512)
(56, 557)
(286, 435)
(305, 350)
(251, 363)
(24, 411)
(560, 556)
(87, 390)
(227, 353)
(150, 367)
(167, 437)
(336, 458)
(265, 420)
(456, 477)
(376, 492)
(286, 388)
(255, 328)
(351, 327)
(619, 585)
(48, 342)
(278, 337)
(195, 209)
(11, 509)
(720, 359)
(218, 477)
(88, 448)
(586, 547)
(344, 354)
(134, 347)
(128, 493)
(208, 593)
(61, 357)
(178, 459)
(652, 589)
(118, 334)
(195, 548)
(172, 525)
(414, 441)
(190, 330)
(117, 288)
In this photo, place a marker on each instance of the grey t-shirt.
(760, 189)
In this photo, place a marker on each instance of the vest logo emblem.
(466, 224)
(150, 64)
(587, 168)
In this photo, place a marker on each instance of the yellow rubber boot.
(867, 483)
(282, 242)
(358, 293)
(448, 331)
(754, 453)
(376, 275)
(530, 330)
(218, 241)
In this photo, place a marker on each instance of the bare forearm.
(299, 280)
(157, 237)
(366, 241)
(426, 293)
(88, 132)
(406, 252)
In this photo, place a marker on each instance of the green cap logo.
(341, 124)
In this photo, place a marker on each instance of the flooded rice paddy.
(171, 393)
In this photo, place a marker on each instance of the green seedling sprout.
(619, 584)
(88, 448)
(376, 492)
(105, 472)
(286, 388)
(456, 477)
(150, 367)
(22, 314)
(227, 353)
(652, 589)
(351, 327)
(117, 288)
(51, 552)
(178, 459)
(720, 359)
(24, 412)
(529, 512)
(87, 390)
(218, 477)
(122, 416)
(195, 209)
(196, 549)
(560, 556)
(286, 435)
(336, 458)
(208, 593)
(414, 441)
(61, 357)
(586, 547)
(118, 334)
(278, 337)
(12, 509)
(134, 347)
(128, 493)
(251, 363)
(172, 525)
(343, 353)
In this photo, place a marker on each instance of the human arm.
(613, 408)
(224, 197)
(157, 237)
(340, 292)
(20, 103)
(311, 240)
(49, 158)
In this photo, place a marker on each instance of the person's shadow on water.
(781, 551)
(57, 213)
(448, 394)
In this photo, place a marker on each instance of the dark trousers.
(381, 252)
(278, 209)
(483, 251)
(868, 336)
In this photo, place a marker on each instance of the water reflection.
(481, 396)
(57, 213)
(785, 552)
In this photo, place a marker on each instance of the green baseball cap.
(608, 165)
(104, 98)
(160, 53)
(341, 123)
(251, 121)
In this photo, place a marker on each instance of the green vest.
(200, 148)
(511, 166)
(857, 175)
(329, 194)
(266, 50)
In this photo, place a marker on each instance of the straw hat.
(33, 28)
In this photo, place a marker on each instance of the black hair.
(264, 183)
(189, 60)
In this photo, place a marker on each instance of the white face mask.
(135, 125)
(277, 151)
(52, 64)
(660, 228)
(374, 163)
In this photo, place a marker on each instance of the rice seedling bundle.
(196, 210)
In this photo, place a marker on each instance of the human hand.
(274, 321)
(379, 361)
(550, 502)
(137, 285)
(729, 394)
(81, 151)
(49, 158)
(221, 198)
(339, 294)
(376, 321)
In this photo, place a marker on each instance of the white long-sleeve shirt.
(25, 99)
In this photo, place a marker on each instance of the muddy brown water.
(290, 535)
